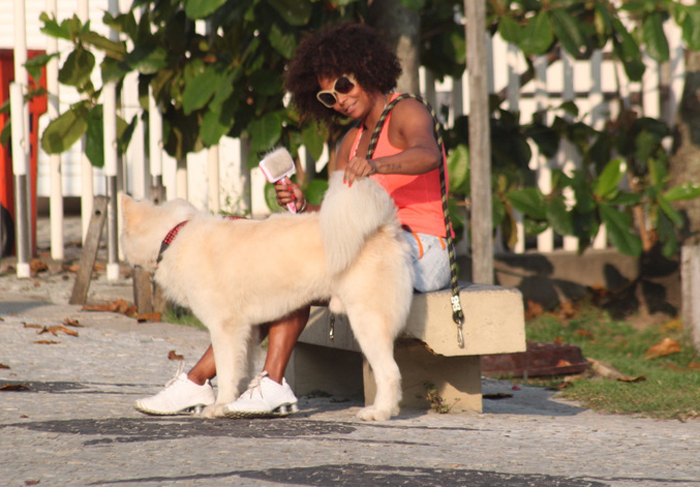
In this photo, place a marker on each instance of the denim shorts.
(431, 262)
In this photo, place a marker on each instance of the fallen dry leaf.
(583, 334)
(667, 346)
(174, 356)
(639, 378)
(152, 317)
(31, 325)
(14, 387)
(76, 267)
(56, 328)
(567, 310)
(36, 266)
(118, 306)
(694, 365)
(3, 366)
(563, 363)
(673, 325)
(72, 322)
(32, 482)
(604, 370)
(533, 310)
(46, 342)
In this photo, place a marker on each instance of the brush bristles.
(277, 164)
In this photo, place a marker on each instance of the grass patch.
(672, 385)
(182, 316)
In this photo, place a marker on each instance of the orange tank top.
(417, 197)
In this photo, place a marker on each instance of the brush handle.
(291, 206)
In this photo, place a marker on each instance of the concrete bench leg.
(456, 379)
(316, 368)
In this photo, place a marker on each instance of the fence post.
(480, 143)
(690, 291)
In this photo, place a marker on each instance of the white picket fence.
(218, 180)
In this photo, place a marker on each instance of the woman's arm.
(411, 129)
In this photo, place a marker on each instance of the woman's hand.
(288, 192)
(357, 168)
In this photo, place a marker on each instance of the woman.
(345, 71)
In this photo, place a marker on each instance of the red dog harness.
(173, 233)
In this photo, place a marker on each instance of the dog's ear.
(130, 211)
(126, 201)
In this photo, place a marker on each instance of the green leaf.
(567, 31)
(111, 48)
(77, 68)
(66, 130)
(655, 38)
(294, 12)
(528, 201)
(148, 59)
(498, 212)
(217, 123)
(606, 184)
(627, 50)
(509, 30)
(645, 144)
(125, 132)
(667, 235)
(547, 140)
(271, 197)
(559, 218)
(533, 227)
(283, 43)
(685, 191)
(34, 65)
(624, 198)
(671, 213)
(458, 170)
(315, 191)
(314, 137)
(265, 132)
(94, 137)
(536, 36)
(52, 29)
(618, 226)
(691, 27)
(198, 9)
(199, 90)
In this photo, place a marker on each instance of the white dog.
(235, 274)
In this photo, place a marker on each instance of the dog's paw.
(370, 413)
(213, 411)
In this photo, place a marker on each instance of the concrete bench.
(426, 352)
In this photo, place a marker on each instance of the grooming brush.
(276, 166)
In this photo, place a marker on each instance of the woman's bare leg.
(283, 336)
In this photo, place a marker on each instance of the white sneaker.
(180, 396)
(264, 398)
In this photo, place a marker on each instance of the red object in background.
(37, 106)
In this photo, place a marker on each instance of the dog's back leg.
(375, 333)
(231, 342)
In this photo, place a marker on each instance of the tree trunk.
(684, 165)
(400, 27)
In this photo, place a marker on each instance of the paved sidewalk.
(76, 426)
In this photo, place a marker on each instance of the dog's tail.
(351, 214)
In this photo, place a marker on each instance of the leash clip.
(331, 329)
